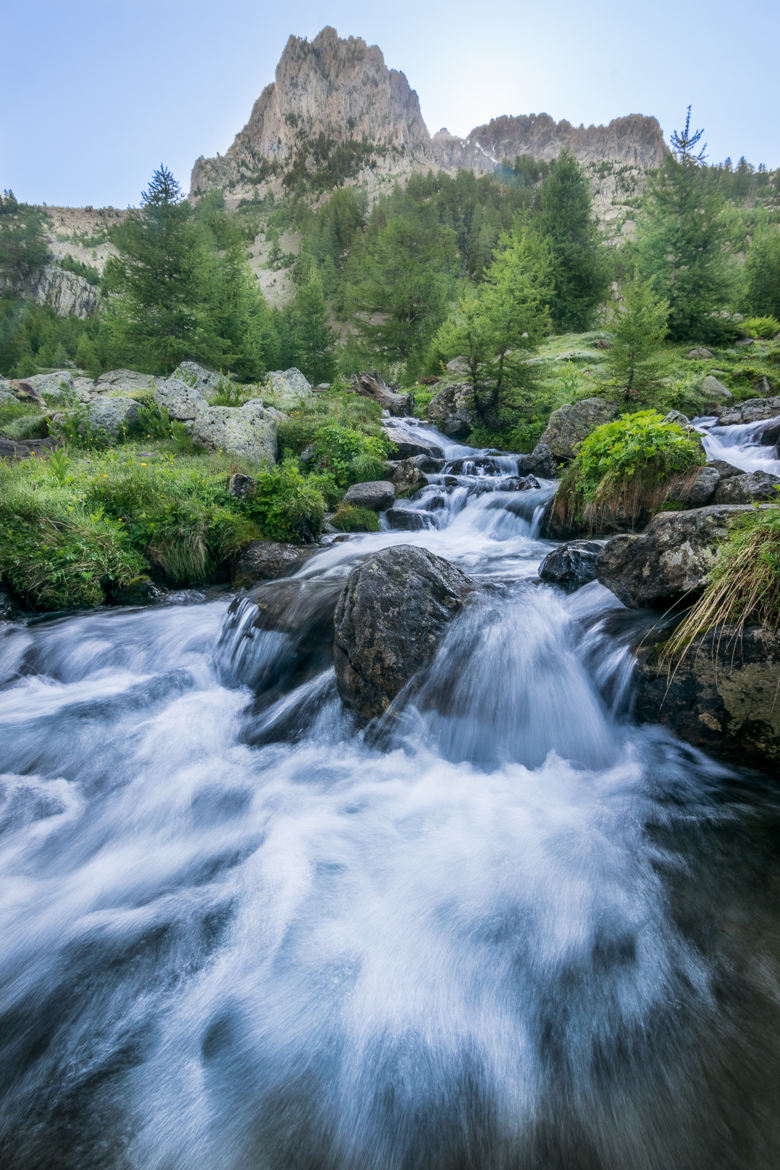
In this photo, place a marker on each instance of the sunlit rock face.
(337, 94)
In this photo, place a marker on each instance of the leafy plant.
(624, 469)
(352, 518)
(287, 505)
(764, 327)
(59, 464)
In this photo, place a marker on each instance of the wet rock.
(725, 470)
(268, 560)
(140, 591)
(406, 476)
(377, 495)
(670, 561)
(409, 520)
(749, 411)
(247, 430)
(572, 423)
(390, 619)
(7, 607)
(241, 486)
(452, 410)
(572, 565)
(722, 696)
(407, 446)
(112, 414)
(428, 463)
(714, 391)
(181, 400)
(748, 486)
(541, 461)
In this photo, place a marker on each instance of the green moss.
(350, 518)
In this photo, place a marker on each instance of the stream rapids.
(516, 931)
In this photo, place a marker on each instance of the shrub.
(763, 327)
(366, 468)
(287, 505)
(744, 584)
(22, 420)
(624, 469)
(337, 446)
(350, 518)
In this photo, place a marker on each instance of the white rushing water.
(513, 930)
(743, 446)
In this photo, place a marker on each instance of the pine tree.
(580, 271)
(314, 338)
(639, 327)
(762, 273)
(153, 316)
(683, 241)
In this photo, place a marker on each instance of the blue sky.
(97, 94)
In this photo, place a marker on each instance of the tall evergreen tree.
(762, 272)
(315, 339)
(580, 271)
(683, 240)
(153, 319)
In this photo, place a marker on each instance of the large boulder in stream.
(745, 488)
(721, 696)
(267, 560)
(670, 561)
(750, 411)
(572, 565)
(572, 423)
(390, 619)
(407, 446)
(376, 494)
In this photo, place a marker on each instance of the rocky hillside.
(336, 111)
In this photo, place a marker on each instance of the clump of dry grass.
(744, 585)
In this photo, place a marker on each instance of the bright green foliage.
(58, 551)
(495, 327)
(764, 327)
(580, 271)
(683, 243)
(350, 518)
(342, 451)
(625, 468)
(638, 328)
(762, 272)
(287, 505)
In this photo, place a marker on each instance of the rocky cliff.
(327, 92)
(335, 107)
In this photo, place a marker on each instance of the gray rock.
(452, 410)
(268, 560)
(10, 449)
(204, 379)
(288, 386)
(700, 351)
(390, 619)
(406, 476)
(541, 461)
(140, 591)
(409, 519)
(124, 381)
(701, 491)
(572, 423)
(715, 391)
(243, 487)
(670, 561)
(181, 401)
(246, 430)
(725, 470)
(749, 486)
(744, 343)
(458, 367)
(572, 565)
(112, 414)
(67, 293)
(722, 696)
(377, 495)
(7, 607)
(85, 389)
(678, 418)
(56, 387)
(749, 411)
